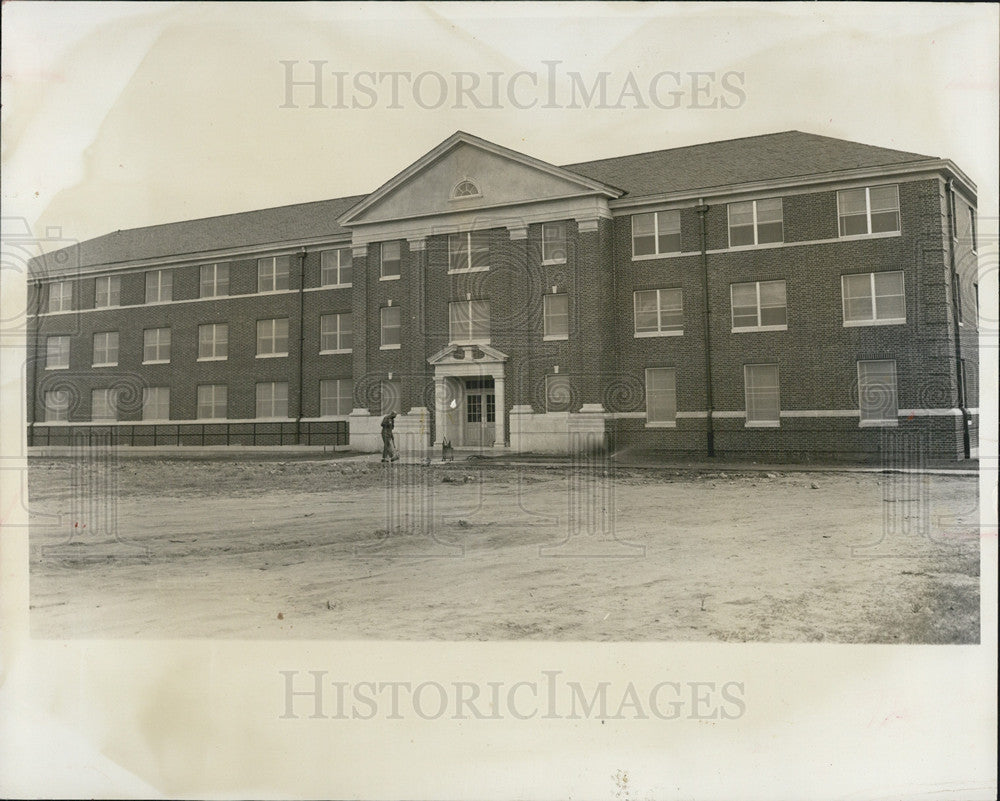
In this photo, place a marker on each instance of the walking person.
(388, 438)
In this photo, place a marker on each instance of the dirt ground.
(351, 549)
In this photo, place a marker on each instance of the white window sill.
(213, 297)
(105, 364)
(114, 306)
(881, 235)
(271, 355)
(272, 291)
(553, 261)
(212, 358)
(645, 334)
(469, 270)
(335, 286)
(763, 424)
(749, 329)
(756, 246)
(661, 424)
(339, 350)
(657, 255)
(390, 277)
(158, 302)
(390, 347)
(157, 361)
(468, 343)
(555, 338)
(860, 323)
(57, 367)
(877, 423)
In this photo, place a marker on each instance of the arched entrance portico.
(469, 396)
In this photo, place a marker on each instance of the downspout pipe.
(34, 331)
(956, 314)
(702, 210)
(302, 337)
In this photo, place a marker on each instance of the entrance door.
(480, 413)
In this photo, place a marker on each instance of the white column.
(501, 427)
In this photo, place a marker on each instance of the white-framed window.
(336, 397)
(335, 333)
(874, 298)
(272, 337)
(56, 405)
(469, 252)
(159, 286)
(156, 346)
(656, 233)
(107, 292)
(272, 399)
(57, 353)
(391, 323)
(106, 349)
(272, 273)
(390, 258)
(658, 312)
(103, 404)
(877, 392)
(756, 222)
(390, 396)
(555, 316)
(335, 267)
(759, 306)
(872, 210)
(469, 322)
(213, 401)
(554, 243)
(973, 230)
(156, 403)
(214, 281)
(763, 396)
(213, 341)
(558, 392)
(661, 396)
(61, 296)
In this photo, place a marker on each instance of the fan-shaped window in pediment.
(465, 188)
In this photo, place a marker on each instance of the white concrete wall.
(555, 432)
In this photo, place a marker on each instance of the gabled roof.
(789, 154)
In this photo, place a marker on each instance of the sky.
(124, 115)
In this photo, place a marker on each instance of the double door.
(479, 427)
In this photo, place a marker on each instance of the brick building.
(779, 296)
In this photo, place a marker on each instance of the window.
(469, 252)
(658, 312)
(336, 396)
(104, 404)
(661, 396)
(656, 233)
(555, 316)
(159, 286)
(390, 396)
(755, 222)
(759, 306)
(877, 391)
(106, 349)
(872, 210)
(973, 233)
(56, 405)
(469, 322)
(156, 345)
(335, 333)
(272, 273)
(272, 337)
(873, 298)
(212, 401)
(558, 393)
(465, 188)
(760, 382)
(156, 403)
(107, 292)
(56, 353)
(60, 296)
(272, 399)
(389, 259)
(214, 280)
(213, 341)
(390, 326)
(554, 243)
(335, 267)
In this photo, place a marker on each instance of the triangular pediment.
(470, 354)
(465, 174)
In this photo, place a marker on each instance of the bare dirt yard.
(351, 549)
